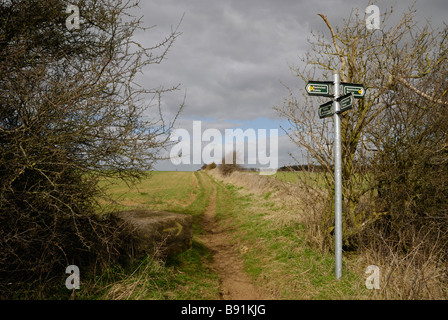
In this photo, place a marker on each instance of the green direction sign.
(326, 110)
(357, 89)
(345, 102)
(319, 88)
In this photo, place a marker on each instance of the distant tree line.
(302, 167)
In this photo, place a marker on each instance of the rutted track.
(227, 263)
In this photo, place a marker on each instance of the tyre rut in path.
(226, 262)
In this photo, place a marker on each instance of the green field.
(167, 190)
(316, 179)
(275, 253)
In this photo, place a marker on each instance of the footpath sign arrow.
(346, 102)
(326, 110)
(319, 88)
(357, 89)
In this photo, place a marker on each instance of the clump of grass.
(148, 280)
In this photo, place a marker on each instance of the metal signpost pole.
(339, 104)
(338, 180)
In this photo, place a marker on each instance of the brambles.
(70, 116)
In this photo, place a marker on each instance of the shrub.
(210, 166)
(70, 115)
(226, 168)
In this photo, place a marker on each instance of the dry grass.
(299, 202)
(276, 190)
(138, 285)
(418, 273)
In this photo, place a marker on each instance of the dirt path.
(235, 284)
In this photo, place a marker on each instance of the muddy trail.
(226, 261)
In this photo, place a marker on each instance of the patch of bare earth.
(226, 262)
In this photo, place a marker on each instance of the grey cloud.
(233, 54)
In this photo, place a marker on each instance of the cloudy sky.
(233, 58)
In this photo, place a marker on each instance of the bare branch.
(336, 46)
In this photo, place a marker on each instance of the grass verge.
(272, 242)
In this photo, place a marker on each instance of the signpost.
(319, 88)
(357, 89)
(337, 181)
(334, 108)
(346, 102)
(326, 110)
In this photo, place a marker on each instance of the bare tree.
(401, 58)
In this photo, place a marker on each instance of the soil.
(226, 262)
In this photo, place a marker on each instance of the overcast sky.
(234, 56)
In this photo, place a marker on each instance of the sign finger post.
(335, 108)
